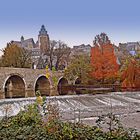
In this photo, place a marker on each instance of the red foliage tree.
(103, 59)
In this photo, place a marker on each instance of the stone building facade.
(38, 49)
(43, 40)
(81, 49)
(130, 48)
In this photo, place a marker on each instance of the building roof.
(28, 43)
(43, 31)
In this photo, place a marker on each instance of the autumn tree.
(62, 52)
(103, 59)
(14, 56)
(130, 73)
(80, 67)
(50, 53)
(58, 52)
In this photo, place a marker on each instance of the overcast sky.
(72, 21)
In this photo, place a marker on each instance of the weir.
(88, 105)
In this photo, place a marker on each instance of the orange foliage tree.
(103, 59)
(131, 75)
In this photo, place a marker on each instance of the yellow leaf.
(47, 75)
(39, 100)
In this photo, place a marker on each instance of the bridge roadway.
(86, 108)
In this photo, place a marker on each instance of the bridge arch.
(77, 81)
(43, 85)
(14, 86)
(61, 86)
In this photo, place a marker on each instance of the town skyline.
(75, 23)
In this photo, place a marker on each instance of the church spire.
(42, 31)
(22, 38)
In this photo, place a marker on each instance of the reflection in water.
(43, 85)
(14, 87)
(62, 86)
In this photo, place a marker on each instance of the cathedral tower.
(43, 39)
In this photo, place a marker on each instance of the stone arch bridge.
(24, 82)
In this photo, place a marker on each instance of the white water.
(70, 103)
(11, 107)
